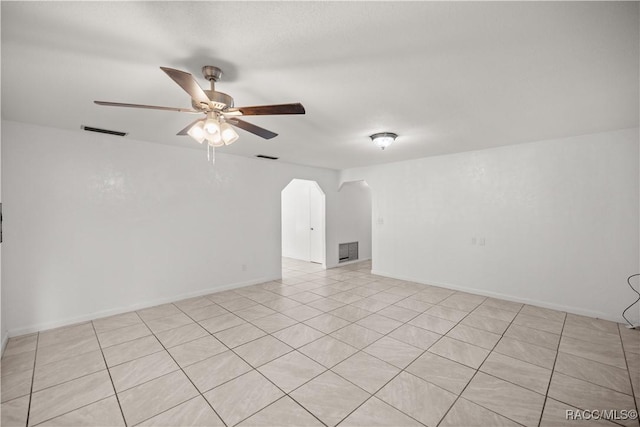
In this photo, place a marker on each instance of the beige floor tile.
(387, 297)
(433, 324)
(346, 297)
(378, 323)
(57, 400)
(195, 302)
(242, 397)
(206, 312)
(302, 313)
(351, 313)
(158, 311)
(105, 412)
(484, 339)
(14, 412)
(327, 323)
(66, 349)
(115, 322)
(329, 397)
(328, 351)
(255, 312)
(516, 371)
(356, 336)
(533, 336)
(306, 296)
(445, 373)
(613, 356)
(366, 371)
(138, 371)
(463, 302)
(393, 351)
(274, 322)
(223, 296)
(447, 313)
(541, 323)
(485, 323)
(282, 413)
(298, 335)
(326, 304)
(194, 351)
(216, 370)
(465, 413)
(220, 323)
(370, 304)
(291, 371)
(262, 350)
(509, 400)
(65, 334)
(67, 369)
(503, 304)
(433, 295)
(495, 313)
(415, 336)
(130, 350)
(21, 344)
(630, 339)
(592, 335)
(414, 304)
(584, 395)
(421, 400)
(192, 413)
(545, 313)
(120, 335)
(592, 323)
(151, 398)
(594, 372)
(526, 352)
(555, 415)
(239, 335)
(18, 363)
(170, 322)
(181, 335)
(461, 352)
(398, 313)
(376, 413)
(238, 304)
(16, 385)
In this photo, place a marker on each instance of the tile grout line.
(553, 371)
(624, 353)
(109, 373)
(33, 378)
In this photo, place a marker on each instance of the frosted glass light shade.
(211, 127)
(229, 136)
(383, 139)
(197, 132)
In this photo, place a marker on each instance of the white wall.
(559, 219)
(355, 199)
(4, 333)
(96, 224)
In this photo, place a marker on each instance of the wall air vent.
(262, 156)
(347, 252)
(107, 131)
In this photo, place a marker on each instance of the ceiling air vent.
(107, 131)
(262, 156)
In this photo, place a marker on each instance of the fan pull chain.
(213, 155)
(208, 152)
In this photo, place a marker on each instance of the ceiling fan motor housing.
(219, 100)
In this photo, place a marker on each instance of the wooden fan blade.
(149, 107)
(189, 84)
(256, 130)
(262, 110)
(186, 129)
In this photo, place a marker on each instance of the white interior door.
(316, 225)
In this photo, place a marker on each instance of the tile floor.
(336, 347)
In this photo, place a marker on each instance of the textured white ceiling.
(446, 76)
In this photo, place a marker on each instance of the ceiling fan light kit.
(220, 113)
(383, 139)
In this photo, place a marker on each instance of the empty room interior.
(320, 213)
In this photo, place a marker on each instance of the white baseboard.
(138, 306)
(342, 264)
(544, 304)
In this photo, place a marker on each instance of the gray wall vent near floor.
(347, 252)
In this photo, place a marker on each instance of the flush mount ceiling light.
(220, 113)
(383, 139)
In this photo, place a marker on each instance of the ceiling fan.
(218, 108)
